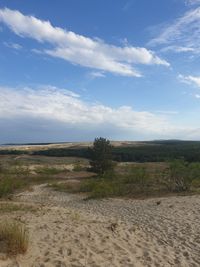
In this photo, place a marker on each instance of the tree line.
(155, 151)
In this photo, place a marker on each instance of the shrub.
(137, 176)
(178, 177)
(13, 238)
(194, 170)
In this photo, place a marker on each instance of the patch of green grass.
(48, 170)
(104, 188)
(13, 238)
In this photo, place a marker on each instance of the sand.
(35, 147)
(68, 231)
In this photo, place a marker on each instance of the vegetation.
(78, 167)
(48, 170)
(12, 152)
(13, 238)
(155, 151)
(9, 184)
(15, 176)
(159, 151)
(8, 207)
(101, 155)
(139, 180)
(180, 175)
(63, 152)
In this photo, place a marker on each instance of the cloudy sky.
(71, 70)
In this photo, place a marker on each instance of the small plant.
(13, 238)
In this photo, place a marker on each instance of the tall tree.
(101, 155)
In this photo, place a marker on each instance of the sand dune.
(68, 231)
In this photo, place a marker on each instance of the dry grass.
(8, 207)
(13, 238)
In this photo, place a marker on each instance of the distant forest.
(154, 151)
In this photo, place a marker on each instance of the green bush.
(179, 176)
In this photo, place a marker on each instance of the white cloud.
(192, 2)
(182, 35)
(97, 74)
(190, 79)
(179, 49)
(51, 103)
(13, 45)
(78, 49)
(167, 112)
(197, 95)
(47, 113)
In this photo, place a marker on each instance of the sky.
(73, 70)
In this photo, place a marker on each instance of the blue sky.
(125, 69)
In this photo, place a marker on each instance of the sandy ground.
(69, 231)
(67, 145)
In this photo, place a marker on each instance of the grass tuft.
(13, 238)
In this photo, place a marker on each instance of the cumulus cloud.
(48, 113)
(77, 49)
(182, 35)
(190, 79)
(65, 106)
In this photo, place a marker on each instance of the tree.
(101, 155)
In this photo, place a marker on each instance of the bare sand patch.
(68, 231)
